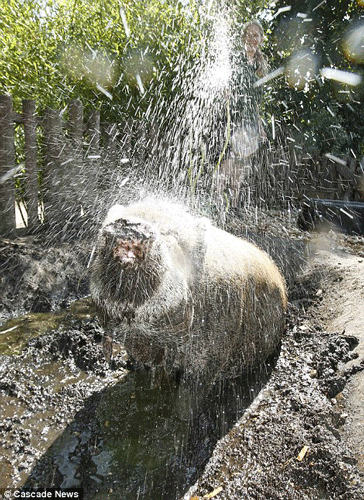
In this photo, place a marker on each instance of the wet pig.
(182, 293)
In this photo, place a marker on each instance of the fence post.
(76, 124)
(31, 170)
(78, 179)
(52, 185)
(94, 131)
(7, 164)
(93, 166)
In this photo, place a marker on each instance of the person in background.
(245, 128)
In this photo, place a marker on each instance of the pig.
(179, 292)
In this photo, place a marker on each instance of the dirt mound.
(37, 278)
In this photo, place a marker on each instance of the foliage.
(116, 55)
(321, 114)
(133, 57)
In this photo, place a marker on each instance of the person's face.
(253, 37)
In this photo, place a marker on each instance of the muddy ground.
(69, 419)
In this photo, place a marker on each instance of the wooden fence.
(59, 170)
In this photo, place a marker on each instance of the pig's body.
(180, 292)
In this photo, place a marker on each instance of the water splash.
(189, 135)
(345, 77)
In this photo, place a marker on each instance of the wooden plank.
(94, 132)
(7, 168)
(31, 169)
(76, 123)
(52, 185)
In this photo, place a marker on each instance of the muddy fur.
(180, 292)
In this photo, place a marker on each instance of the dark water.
(145, 437)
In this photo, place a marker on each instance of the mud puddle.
(141, 439)
(44, 380)
(70, 419)
(15, 333)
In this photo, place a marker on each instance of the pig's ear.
(115, 212)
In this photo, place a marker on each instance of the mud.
(70, 419)
(288, 445)
(36, 277)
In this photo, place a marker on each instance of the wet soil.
(303, 437)
(70, 419)
(36, 277)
